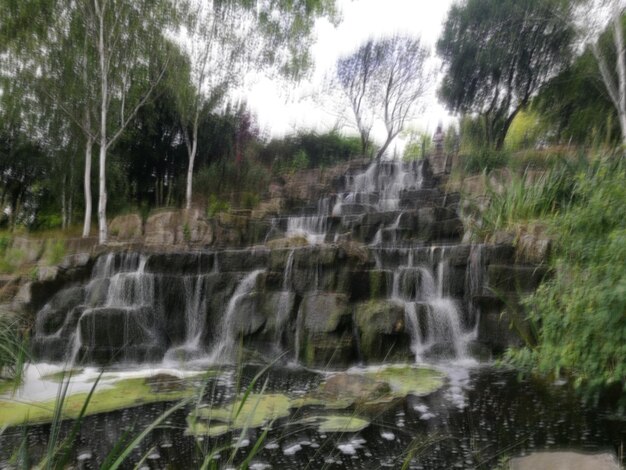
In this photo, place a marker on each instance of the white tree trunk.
(192, 148)
(87, 186)
(104, 93)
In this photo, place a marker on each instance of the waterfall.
(225, 342)
(433, 320)
(285, 301)
(314, 228)
(195, 320)
(130, 290)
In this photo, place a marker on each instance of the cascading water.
(195, 305)
(226, 340)
(195, 320)
(432, 319)
(314, 227)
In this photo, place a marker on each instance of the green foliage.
(11, 260)
(580, 311)
(575, 105)
(419, 145)
(300, 161)
(221, 184)
(320, 150)
(13, 349)
(484, 160)
(523, 200)
(55, 251)
(216, 206)
(498, 53)
(525, 132)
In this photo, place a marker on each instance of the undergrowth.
(581, 311)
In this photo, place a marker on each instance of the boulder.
(161, 228)
(381, 330)
(326, 333)
(128, 227)
(325, 312)
(194, 228)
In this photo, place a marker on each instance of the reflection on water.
(481, 415)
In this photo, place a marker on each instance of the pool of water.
(481, 416)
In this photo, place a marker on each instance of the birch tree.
(228, 39)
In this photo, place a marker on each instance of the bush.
(580, 311)
(216, 205)
(483, 159)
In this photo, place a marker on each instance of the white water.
(195, 320)
(284, 303)
(226, 341)
(130, 288)
(314, 228)
(430, 317)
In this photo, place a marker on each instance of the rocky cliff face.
(364, 265)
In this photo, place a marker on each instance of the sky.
(282, 110)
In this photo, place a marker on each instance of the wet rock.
(286, 243)
(182, 263)
(114, 328)
(381, 329)
(372, 284)
(514, 278)
(325, 312)
(248, 317)
(126, 227)
(243, 260)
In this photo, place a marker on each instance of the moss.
(409, 380)
(376, 282)
(342, 424)
(256, 411)
(124, 394)
(329, 404)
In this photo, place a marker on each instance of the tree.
(229, 38)
(384, 79)
(498, 54)
(354, 74)
(95, 62)
(612, 61)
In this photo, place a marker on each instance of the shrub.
(580, 311)
(483, 159)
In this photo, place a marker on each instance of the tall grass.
(581, 312)
(524, 200)
(13, 350)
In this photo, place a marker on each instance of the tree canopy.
(498, 54)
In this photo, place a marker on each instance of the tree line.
(144, 87)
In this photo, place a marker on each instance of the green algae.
(330, 424)
(126, 393)
(409, 380)
(252, 411)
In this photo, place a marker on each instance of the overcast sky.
(281, 111)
